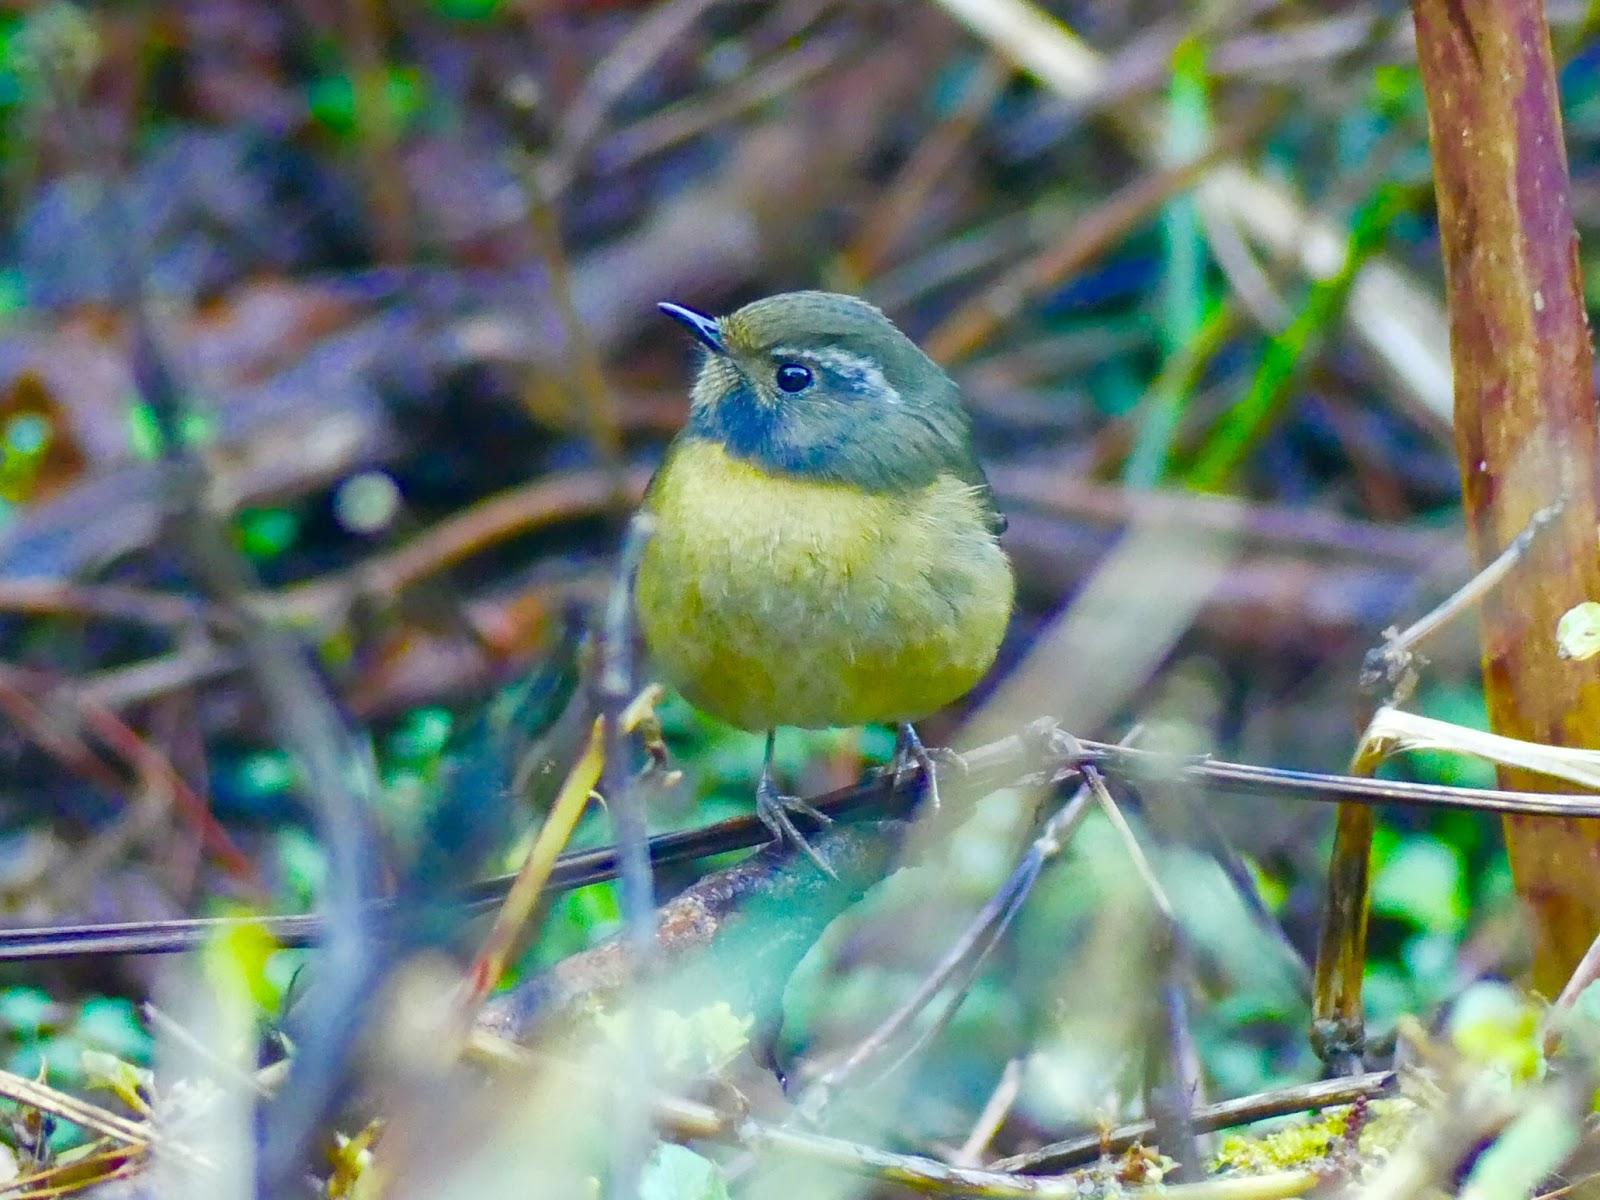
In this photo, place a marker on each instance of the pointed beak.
(703, 328)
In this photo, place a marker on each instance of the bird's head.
(823, 385)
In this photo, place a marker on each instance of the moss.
(1313, 1141)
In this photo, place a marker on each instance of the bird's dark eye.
(792, 377)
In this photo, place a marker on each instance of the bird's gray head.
(825, 386)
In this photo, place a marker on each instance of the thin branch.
(630, 833)
(105, 601)
(1171, 1094)
(629, 828)
(591, 394)
(997, 764)
(1585, 973)
(91, 1116)
(980, 934)
(480, 527)
(904, 197)
(966, 329)
(1394, 664)
(677, 123)
(994, 1114)
(531, 879)
(1206, 1118)
(635, 53)
(940, 1179)
(691, 1120)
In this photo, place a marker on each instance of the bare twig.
(530, 880)
(677, 123)
(616, 690)
(148, 762)
(1585, 973)
(91, 1116)
(688, 1119)
(962, 957)
(104, 601)
(940, 1179)
(1394, 664)
(630, 834)
(609, 80)
(597, 409)
(995, 1111)
(1173, 1079)
(905, 196)
(1281, 1102)
(993, 765)
(512, 513)
(970, 326)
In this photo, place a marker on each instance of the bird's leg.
(773, 809)
(909, 749)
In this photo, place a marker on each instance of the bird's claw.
(910, 749)
(1049, 741)
(773, 809)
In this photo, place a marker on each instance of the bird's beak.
(703, 327)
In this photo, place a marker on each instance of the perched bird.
(826, 548)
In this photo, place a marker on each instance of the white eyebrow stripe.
(853, 367)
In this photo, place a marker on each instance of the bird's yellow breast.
(773, 600)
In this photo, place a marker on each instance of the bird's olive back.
(824, 385)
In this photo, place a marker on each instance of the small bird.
(826, 549)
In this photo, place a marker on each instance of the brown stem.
(1524, 411)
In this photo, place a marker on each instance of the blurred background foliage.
(342, 215)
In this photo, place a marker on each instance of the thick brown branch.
(1524, 411)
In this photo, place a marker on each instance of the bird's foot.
(909, 749)
(774, 810)
(640, 719)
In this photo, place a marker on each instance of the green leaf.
(26, 1012)
(467, 10)
(677, 1173)
(144, 430)
(1184, 303)
(398, 96)
(265, 533)
(108, 1073)
(265, 774)
(1246, 423)
(1422, 883)
(1188, 131)
(1496, 1026)
(112, 1024)
(144, 433)
(423, 734)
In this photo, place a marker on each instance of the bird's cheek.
(761, 398)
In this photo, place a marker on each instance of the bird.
(826, 546)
